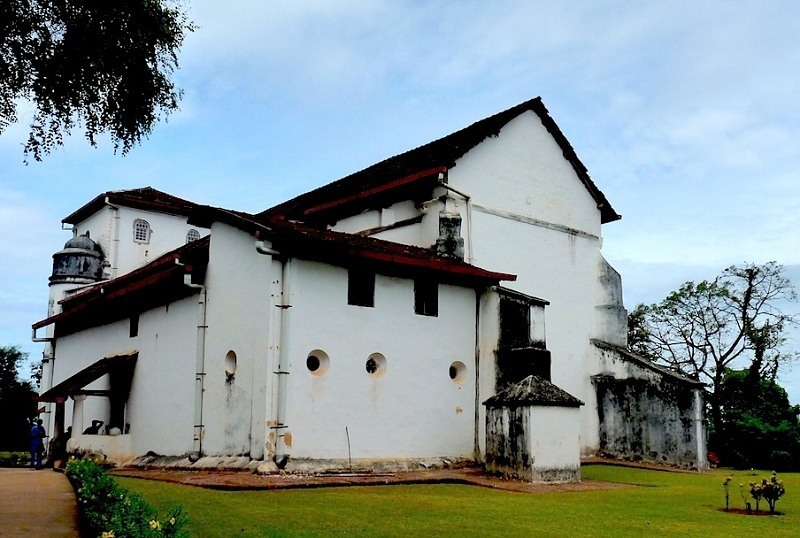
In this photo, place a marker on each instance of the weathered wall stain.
(643, 419)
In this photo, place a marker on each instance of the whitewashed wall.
(531, 216)
(413, 411)
(167, 233)
(238, 311)
(415, 234)
(159, 408)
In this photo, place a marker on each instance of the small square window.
(192, 235)
(426, 297)
(361, 287)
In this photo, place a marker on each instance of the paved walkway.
(36, 503)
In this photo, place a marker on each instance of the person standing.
(37, 443)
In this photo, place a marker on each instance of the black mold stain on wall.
(508, 453)
(642, 419)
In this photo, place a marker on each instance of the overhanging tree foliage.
(103, 65)
(703, 329)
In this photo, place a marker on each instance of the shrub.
(14, 459)
(110, 511)
(770, 490)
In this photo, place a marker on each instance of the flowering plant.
(110, 511)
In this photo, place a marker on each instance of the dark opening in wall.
(134, 327)
(458, 372)
(426, 297)
(361, 287)
(317, 363)
(375, 365)
(515, 323)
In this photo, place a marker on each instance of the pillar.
(77, 413)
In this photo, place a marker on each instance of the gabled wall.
(529, 214)
(532, 216)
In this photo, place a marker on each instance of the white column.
(77, 414)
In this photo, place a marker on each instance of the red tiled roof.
(143, 198)
(307, 242)
(439, 154)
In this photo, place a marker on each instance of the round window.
(458, 372)
(318, 363)
(375, 365)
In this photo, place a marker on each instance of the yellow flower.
(155, 525)
(109, 534)
(172, 521)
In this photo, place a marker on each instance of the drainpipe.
(200, 366)
(114, 238)
(48, 368)
(477, 374)
(279, 425)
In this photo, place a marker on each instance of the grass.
(656, 503)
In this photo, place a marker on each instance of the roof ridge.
(443, 151)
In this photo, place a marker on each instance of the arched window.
(192, 235)
(141, 231)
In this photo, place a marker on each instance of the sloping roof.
(307, 242)
(533, 390)
(146, 198)
(423, 164)
(93, 372)
(156, 283)
(645, 363)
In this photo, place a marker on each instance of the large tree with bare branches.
(703, 329)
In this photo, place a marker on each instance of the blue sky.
(686, 114)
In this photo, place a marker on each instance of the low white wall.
(116, 448)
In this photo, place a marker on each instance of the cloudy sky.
(687, 115)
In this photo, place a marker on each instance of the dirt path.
(36, 504)
(243, 480)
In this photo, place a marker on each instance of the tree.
(703, 329)
(759, 425)
(17, 406)
(103, 65)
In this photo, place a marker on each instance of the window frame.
(145, 228)
(426, 297)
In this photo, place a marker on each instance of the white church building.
(448, 304)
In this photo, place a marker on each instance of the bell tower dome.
(79, 262)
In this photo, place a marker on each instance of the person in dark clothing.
(58, 448)
(94, 429)
(37, 444)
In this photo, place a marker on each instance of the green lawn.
(658, 503)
